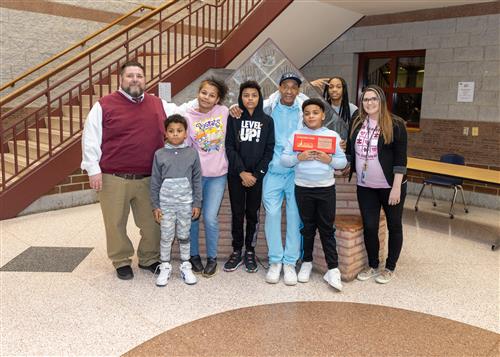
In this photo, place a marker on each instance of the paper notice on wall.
(165, 91)
(465, 93)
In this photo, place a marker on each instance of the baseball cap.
(290, 75)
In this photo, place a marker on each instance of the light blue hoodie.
(286, 119)
(314, 173)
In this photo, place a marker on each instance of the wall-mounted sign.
(165, 91)
(465, 93)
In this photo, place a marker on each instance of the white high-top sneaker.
(187, 273)
(305, 272)
(332, 277)
(289, 274)
(165, 271)
(273, 274)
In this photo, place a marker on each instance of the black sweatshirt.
(250, 141)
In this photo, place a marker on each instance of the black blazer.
(392, 157)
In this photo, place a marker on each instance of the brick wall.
(438, 135)
(77, 181)
(441, 136)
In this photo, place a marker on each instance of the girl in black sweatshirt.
(249, 149)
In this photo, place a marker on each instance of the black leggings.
(245, 203)
(370, 200)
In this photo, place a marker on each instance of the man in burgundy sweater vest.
(122, 132)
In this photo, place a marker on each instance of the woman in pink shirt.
(376, 148)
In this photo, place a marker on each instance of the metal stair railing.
(80, 44)
(48, 113)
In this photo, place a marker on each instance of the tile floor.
(446, 269)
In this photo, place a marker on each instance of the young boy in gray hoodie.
(176, 196)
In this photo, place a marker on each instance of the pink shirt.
(374, 175)
(207, 134)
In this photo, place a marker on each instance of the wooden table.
(465, 172)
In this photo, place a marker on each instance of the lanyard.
(365, 166)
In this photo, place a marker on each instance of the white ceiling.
(371, 7)
(303, 29)
(306, 27)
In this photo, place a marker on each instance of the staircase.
(41, 122)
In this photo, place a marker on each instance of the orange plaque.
(303, 142)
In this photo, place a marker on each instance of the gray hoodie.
(176, 176)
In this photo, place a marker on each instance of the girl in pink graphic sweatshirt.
(206, 133)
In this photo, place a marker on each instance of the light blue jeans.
(213, 192)
(276, 187)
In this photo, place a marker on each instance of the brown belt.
(131, 176)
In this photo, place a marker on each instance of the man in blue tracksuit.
(285, 107)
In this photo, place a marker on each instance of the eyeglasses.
(372, 99)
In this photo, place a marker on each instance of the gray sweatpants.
(176, 205)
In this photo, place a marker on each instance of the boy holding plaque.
(314, 152)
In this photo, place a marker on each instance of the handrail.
(83, 54)
(32, 133)
(69, 49)
(40, 136)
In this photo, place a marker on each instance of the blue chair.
(446, 181)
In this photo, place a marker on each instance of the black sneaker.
(210, 268)
(233, 262)
(124, 273)
(153, 268)
(250, 263)
(196, 264)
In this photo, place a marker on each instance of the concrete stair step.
(85, 100)
(32, 148)
(155, 59)
(44, 135)
(55, 122)
(73, 111)
(34, 160)
(7, 176)
(103, 89)
(10, 163)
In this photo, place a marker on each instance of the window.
(401, 75)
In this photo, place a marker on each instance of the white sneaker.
(273, 274)
(165, 271)
(305, 272)
(289, 274)
(332, 277)
(368, 273)
(385, 276)
(187, 273)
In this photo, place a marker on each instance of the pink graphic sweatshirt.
(207, 133)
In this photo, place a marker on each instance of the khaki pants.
(117, 196)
